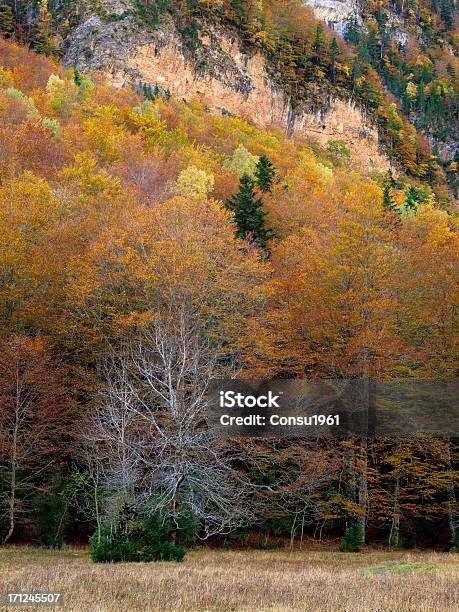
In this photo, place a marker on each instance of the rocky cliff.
(220, 71)
(335, 13)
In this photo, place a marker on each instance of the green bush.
(338, 151)
(187, 530)
(352, 539)
(150, 540)
(113, 548)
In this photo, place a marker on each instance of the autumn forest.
(148, 246)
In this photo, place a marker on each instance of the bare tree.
(155, 450)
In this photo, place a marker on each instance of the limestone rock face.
(335, 13)
(220, 73)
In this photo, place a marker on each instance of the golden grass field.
(377, 581)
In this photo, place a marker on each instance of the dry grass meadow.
(376, 581)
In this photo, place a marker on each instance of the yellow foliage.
(193, 181)
(62, 94)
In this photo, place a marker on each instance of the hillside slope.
(226, 76)
(271, 62)
(413, 46)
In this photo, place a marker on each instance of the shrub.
(113, 548)
(352, 539)
(338, 151)
(150, 540)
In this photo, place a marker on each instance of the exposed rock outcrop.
(220, 73)
(335, 13)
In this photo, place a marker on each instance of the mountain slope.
(122, 217)
(270, 61)
(413, 46)
(224, 75)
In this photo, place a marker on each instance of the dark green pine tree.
(356, 72)
(6, 19)
(406, 103)
(264, 174)
(334, 56)
(447, 13)
(317, 45)
(389, 184)
(44, 39)
(248, 212)
(411, 201)
(241, 11)
(389, 179)
(364, 53)
(388, 200)
(421, 98)
(352, 32)
(451, 70)
(374, 48)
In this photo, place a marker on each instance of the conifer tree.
(44, 41)
(421, 98)
(352, 30)
(374, 48)
(356, 71)
(317, 45)
(264, 174)
(334, 55)
(389, 184)
(411, 200)
(6, 19)
(388, 200)
(451, 70)
(248, 212)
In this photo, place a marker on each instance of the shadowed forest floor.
(377, 581)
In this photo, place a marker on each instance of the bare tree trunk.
(96, 503)
(292, 531)
(395, 526)
(351, 469)
(11, 505)
(453, 510)
(363, 487)
(175, 507)
(12, 500)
